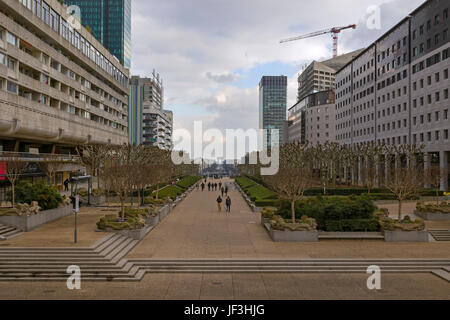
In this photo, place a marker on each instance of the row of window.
(41, 9)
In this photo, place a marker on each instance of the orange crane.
(335, 31)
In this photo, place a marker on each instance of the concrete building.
(396, 91)
(149, 123)
(59, 87)
(272, 105)
(312, 120)
(320, 76)
(110, 22)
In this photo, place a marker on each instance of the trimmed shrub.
(187, 182)
(245, 182)
(47, 197)
(443, 207)
(170, 192)
(330, 208)
(267, 203)
(346, 225)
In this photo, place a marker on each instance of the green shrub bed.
(443, 207)
(333, 208)
(353, 225)
(188, 182)
(47, 197)
(171, 192)
(245, 182)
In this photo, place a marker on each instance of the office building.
(320, 76)
(396, 91)
(110, 22)
(59, 87)
(149, 123)
(312, 120)
(272, 105)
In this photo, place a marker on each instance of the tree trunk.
(13, 195)
(139, 198)
(293, 210)
(122, 207)
(399, 210)
(437, 196)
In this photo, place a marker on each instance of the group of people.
(223, 188)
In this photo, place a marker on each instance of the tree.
(295, 173)
(406, 178)
(433, 176)
(14, 169)
(92, 156)
(51, 164)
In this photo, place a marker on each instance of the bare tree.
(433, 176)
(295, 174)
(92, 156)
(51, 165)
(406, 178)
(14, 169)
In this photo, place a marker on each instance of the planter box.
(95, 201)
(406, 236)
(292, 236)
(433, 216)
(264, 221)
(134, 234)
(29, 223)
(352, 235)
(163, 212)
(152, 221)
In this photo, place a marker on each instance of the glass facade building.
(273, 105)
(110, 22)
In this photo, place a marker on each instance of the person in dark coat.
(228, 204)
(66, 185)
(203, 187)
(223, 191)
(219, 203)
(209, 186)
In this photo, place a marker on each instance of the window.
(12, 39)
(11, 87)
(11, 64)
(2, 58)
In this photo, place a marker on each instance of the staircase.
(440, 235)
(101, 262)
(7, 232)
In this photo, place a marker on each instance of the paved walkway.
(196, 230)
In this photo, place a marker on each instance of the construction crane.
(335, 31)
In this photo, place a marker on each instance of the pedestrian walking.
(223, 191)
(219, 203)
(203, 187)
(228, 204)
(209, 186)
(220, 185)
(226, 190)
(197, 187)
(66, 185)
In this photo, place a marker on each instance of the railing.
(37, 157)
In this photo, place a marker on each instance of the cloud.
(222, 78)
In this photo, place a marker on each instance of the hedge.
(330, 208)
(258, 192)
(353, 225)
(245, 182)
(267, 203)
(170, 192)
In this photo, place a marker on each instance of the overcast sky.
(212, 53)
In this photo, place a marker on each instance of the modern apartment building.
(312, 120)
(148, 122)
(110, 22)
(59, 87)
(396, 91)
(272, 105)
(320, 76)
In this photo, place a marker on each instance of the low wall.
(433, 216)
(406, 236)
(28, 223)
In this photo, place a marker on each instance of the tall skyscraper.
(110, 22)
(148, 122)
(272, 105)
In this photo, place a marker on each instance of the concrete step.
(118, 249)
(440, 235)
(124, 251)
(115, 242)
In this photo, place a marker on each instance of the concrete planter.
(433, 216)
(292, 236)
(152, 221)
(135, 234)
(264, 221)
(28, 223)
(351, 235)
(163, 212)
(406, 236)
(95, 201)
